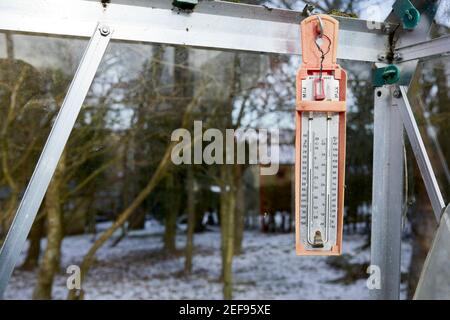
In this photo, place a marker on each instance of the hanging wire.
(323, 54)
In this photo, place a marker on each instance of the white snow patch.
(137, 269)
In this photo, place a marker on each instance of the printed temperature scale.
(320, 140)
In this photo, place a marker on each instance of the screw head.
(386, 28)
(397, 56)
(397, 94)
(104, 30)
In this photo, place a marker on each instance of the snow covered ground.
(268, 269)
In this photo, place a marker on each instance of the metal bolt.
(386, 28)
(408, 15)
(397, 94)
(104, 30)
(397, 56)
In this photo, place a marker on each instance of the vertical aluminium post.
(387, 196)
(46, 165)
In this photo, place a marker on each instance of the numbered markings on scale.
(319, 180)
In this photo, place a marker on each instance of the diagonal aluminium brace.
(420, 152)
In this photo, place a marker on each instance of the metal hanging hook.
(319, 41)
(320, 27)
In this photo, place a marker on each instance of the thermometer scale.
(320, 140)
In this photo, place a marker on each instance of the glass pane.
(429, 97)
(435, 279)
(118, 157)
(35, 72)
(441, 22)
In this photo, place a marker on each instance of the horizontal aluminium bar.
(426, 49)
(212, 24)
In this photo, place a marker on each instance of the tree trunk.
(9, 45)
(50, 261)
(191, 220)
(229, 175)
(227, 208)
(171, 212)
(34, 250)
(7, 217)
(240, 209)
(77, 220)
(137, 220)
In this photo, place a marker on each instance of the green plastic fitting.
(386, 75)
(407, 13)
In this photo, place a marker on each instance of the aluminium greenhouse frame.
(239, 27)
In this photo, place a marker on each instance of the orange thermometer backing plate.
(320, 140)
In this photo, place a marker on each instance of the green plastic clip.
(407, 13)
(185, 4)
(386, 75)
